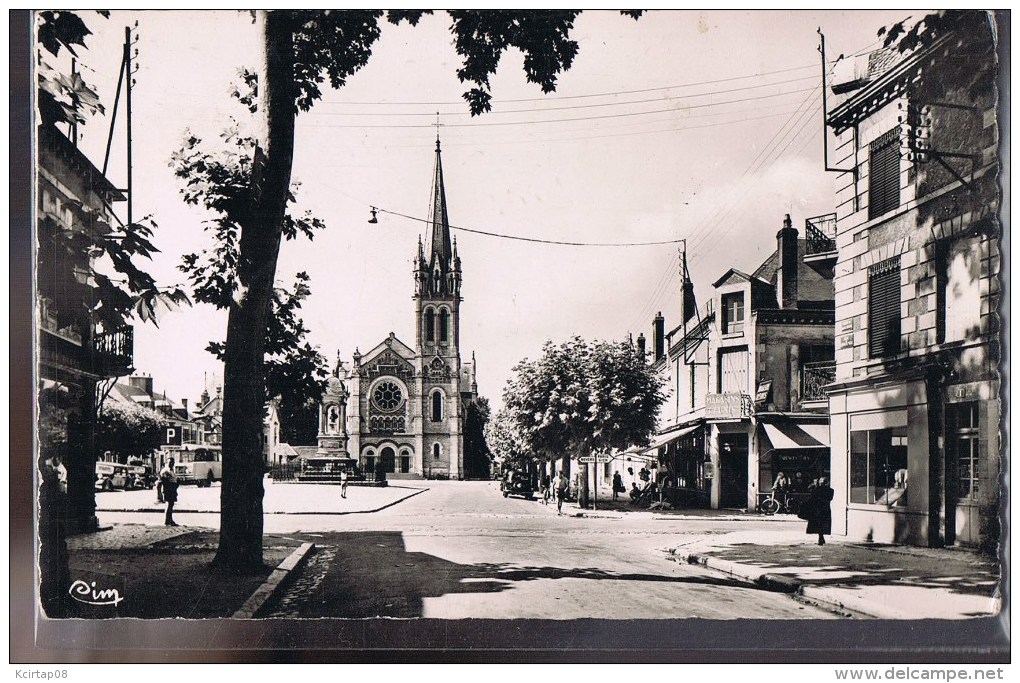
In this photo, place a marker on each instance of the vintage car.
(517, 484)
(111, 476)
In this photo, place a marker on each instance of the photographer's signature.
(90, 595)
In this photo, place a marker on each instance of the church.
(401, 406)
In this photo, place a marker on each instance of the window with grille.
(884, 174)
(884, 309)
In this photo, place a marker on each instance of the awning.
(663, 439)
(789, 435)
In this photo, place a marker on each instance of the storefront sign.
(729, 406)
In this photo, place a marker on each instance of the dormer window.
(733, 313)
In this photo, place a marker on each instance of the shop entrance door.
(733, 450)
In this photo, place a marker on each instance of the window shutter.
(884, 174)
(884, 309)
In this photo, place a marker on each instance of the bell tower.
(437, 278)
(437, 282)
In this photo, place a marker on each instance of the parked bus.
(196, 464)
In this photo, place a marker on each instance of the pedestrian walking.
(169, 481)
(618, 487)
(817, 511)
(561, 491)
(544, 486)
(343, 483)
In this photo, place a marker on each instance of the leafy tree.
(128, 429)
(477, 457)
(302, 49)
(505, 440)
(294, 370)
(582, 398)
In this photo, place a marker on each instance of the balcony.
(814, 377)
(820, 233)
(114, 352)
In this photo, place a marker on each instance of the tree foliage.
(294, 370)
(477, 456)
(974, 42)
(87, 266)
(128, 429)
(584, 397)
(505, 440)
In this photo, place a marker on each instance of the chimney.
(659, 335)
(641, 344)
(786, 284)
(184, 404)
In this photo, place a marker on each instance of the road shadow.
(830, 565)
(372, 574)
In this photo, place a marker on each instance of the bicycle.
(770, 505)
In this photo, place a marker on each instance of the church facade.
(402, 406)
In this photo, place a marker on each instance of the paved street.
(460, 550)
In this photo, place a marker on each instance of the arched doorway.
(389, 459)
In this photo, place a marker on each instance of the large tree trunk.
(241, 522)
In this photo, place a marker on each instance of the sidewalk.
(866, 579)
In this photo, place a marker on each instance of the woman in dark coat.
(819, 519)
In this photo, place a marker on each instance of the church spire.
(439, 242)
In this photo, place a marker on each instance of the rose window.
(387, 396)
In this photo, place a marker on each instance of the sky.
(696, 126)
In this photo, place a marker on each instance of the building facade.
(915, 404)
(74, 352)
(744, 376)
(401, 408)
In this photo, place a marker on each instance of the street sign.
(590, 459)
(585, 459)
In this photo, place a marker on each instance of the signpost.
(591, 460)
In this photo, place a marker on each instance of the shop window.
(884, 174)
(733, 313)
(878, 466)
(963, 418)
(884, 308)
(960, 290)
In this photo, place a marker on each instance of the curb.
(780, 583)
(273, 583)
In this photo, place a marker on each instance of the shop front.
(915, 462)
(683, 460)
(797, 449)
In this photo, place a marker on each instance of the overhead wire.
(560, 120)
(498, 112)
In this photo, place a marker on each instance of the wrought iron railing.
(814, 377)
(820, 233)
(115, 352)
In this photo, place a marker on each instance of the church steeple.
(440, 251)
